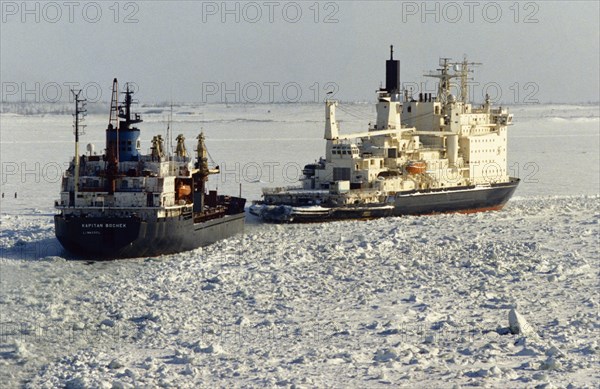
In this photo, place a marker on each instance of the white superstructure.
(422, 142)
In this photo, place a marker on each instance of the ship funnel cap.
(392, 73)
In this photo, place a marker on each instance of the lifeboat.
(416, 167)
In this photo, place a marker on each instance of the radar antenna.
(445, 77)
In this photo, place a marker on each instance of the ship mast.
(129, 118)
(170, 132)
(113, 120)
(463, 73)
(462, 70)
(444, 83)
(112, 145)
(202, 162)
(79, 116)
(202, 155)
(201, 176)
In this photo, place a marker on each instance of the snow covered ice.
(497, 299)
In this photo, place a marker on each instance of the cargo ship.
(425, 154)
(123, 203)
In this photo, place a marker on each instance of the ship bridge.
(345, 150)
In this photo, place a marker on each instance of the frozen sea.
(398, 302)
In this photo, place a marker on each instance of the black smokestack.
(392, 74)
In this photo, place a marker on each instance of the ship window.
(129, 142)
(341, 174)
(409, 108)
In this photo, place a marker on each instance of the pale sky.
(256, 51)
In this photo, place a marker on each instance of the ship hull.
(476, 199)
(436, 201)
(126, 237)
